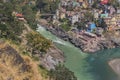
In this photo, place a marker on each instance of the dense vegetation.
(29, 11)
(47, 6)
(37, 42)
(62, 73)
(10, 28)
(65, 24)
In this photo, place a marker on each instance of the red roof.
(19, 15)
(104, 1)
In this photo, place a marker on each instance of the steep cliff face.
(15, 67)
(52, 58)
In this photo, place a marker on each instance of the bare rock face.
(115, 65)
(52, 58)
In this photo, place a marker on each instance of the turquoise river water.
(85, 66)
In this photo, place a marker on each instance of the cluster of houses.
(113, 23)
(74, 11)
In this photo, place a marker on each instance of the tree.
(29, 15)
(47, 6)
(115, 3)
(3, 30)
(88, 16)
(103, 24)
(61, 73)
(8, 8)
(38, 42)
(81, 25)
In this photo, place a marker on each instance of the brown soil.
(15, 67)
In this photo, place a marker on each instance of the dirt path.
(25, 32)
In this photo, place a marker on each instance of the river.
(85, 66)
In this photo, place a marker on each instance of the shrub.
(38, 42)
(61, 73)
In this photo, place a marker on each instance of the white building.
(75, 18)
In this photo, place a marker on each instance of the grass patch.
(43, 71)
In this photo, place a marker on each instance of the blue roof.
(91, 27)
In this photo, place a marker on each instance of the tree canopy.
(38, 42)
(47, 6)
(62, 73)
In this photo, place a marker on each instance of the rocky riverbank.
(115, 65)
(87, 42)
(53, 57)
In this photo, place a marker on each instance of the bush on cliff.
(65, 24)
(29, 13)
(61, 73)
(38, 42)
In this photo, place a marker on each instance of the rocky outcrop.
(53, 57)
